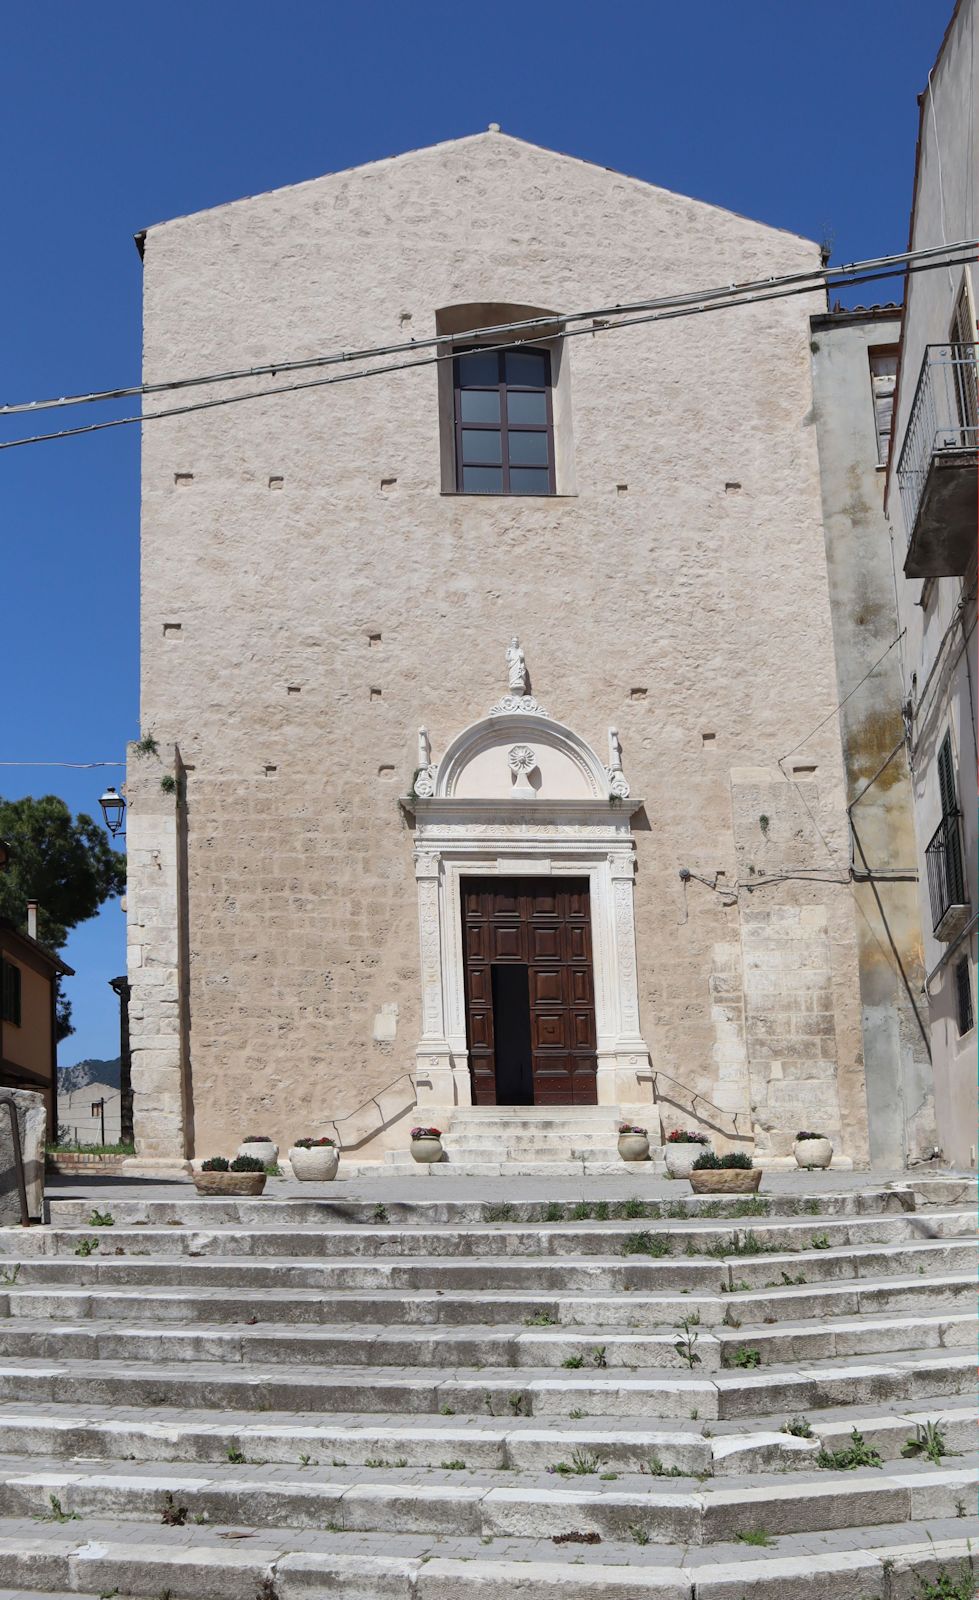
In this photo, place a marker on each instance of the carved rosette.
(521, 758)
(617, 784)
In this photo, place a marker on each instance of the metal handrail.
(944, 417)
(334, 1122)
(694, 1098)
(11, 1105)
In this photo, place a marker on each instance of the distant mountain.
(86, 1072)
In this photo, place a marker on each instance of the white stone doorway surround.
(518, 793)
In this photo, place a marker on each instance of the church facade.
(490, 752)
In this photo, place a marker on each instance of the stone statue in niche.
(516, 667)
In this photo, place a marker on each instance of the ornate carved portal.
(520, 795)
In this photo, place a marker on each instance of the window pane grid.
(504, 436)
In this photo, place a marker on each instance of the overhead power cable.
(818, 276)
(710, 300)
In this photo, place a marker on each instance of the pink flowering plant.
(426, 1133)
(686, 1136)
(627, 1127)
(315, 1144)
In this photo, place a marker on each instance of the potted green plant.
(261, 1147)
(683, 1146)
(813, 1150)
(314, 1160)
(633, 1142)
(243, 1176)
(730, 1174)
(426, 1145)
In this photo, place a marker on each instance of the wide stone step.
(331, 1206)
(888, 1562)
(688, 1448)
(684, 1347)
(624, 1272)
(505, 1239)
(646, 1394)
(456, 1500)
(427, 1307)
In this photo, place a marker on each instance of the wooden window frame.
(502, 428)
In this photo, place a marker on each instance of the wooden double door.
(530, 996)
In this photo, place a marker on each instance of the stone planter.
(262, 1149)
(318, 1165)
(813, 1152)
(680, 1157)
(426, 1151)
(634, 1146)
(229, 1183)
(726, 1180)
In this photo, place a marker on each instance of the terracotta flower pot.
(262, 1149)
(315, 1165)
(633, 1146)
(426, 1151)
(813, 1152)
(726, 1180)
(681, 1155)
(229, 1183)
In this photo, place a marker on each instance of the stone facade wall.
(938, 653)
(900, 1089)
(310, 597)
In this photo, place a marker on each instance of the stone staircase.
(451, 1400)
(525, 1141)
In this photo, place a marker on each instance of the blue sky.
(118, 115)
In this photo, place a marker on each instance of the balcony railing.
(936, 469)
(946, 881)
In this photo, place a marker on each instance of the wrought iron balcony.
(937, 467)
(946, 880)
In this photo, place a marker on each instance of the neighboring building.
(854, 359)
(28, 1017)
(627, 884)
(931, 503)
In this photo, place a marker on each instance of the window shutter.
(946, 778)
(963, 995)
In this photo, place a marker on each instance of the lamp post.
(113, 810)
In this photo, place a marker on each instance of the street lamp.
(113, 810)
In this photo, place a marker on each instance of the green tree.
(65, 863)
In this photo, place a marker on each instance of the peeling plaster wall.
(310, 597)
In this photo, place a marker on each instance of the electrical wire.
(815, 285)
(823, 276)
(870, 671)
(80, 765)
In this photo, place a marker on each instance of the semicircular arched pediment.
(523, 756)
